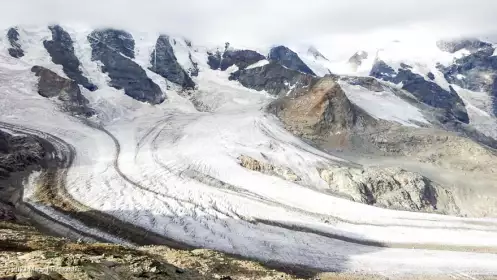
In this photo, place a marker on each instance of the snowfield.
(174, 171)
(387, 105)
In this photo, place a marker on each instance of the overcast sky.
(252, 22)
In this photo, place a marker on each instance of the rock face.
(427, 92)
(15, 49)
(194, 70)
(61, 50)
(214, 60)
(477, 72)
(470, 44)
(119, 41)
(431, 76)
(289, 59)
(369, 83)
(267, 168)
(390, 187)
(321, 109)
(52, 85)
(53, 258)
(241, 58)
(18, 153)
(165, 63)
(114, 48)
(272, 77)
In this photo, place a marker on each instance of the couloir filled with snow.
(174, 171)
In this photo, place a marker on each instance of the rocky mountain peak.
(61, 50)
(15, 49)
(240, 58)
(273, 78)
(115, 50)
(165, 63)
(322, 109)
(289, 59)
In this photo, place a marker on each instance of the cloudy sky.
(251, 22)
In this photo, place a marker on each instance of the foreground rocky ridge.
(32, 255)
(29, 254)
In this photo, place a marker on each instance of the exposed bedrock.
(15, 49)
(115, 48)
(289, 59)
(268, 168)
(165, 63)
(391, 188)
(67, 91)
(273, 78)
(427, 92)
(369, 83)
(320, 110)
(18, 152)
(61, 50)
(119, 41)
(476, 71)
(241, 58)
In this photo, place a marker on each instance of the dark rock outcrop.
(194, 70)
(470, 44)
(165, 63)
(431, 76)
(15, 49)
(477, 72)
(273, 78)
(369, 83)
(241, 58)
(61, 50)
(114, 49)
(427, 92)
(119, 41)
(289, 59)
(52, 85)
(18, 153)
(214, 60)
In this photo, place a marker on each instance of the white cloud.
(256, 22)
